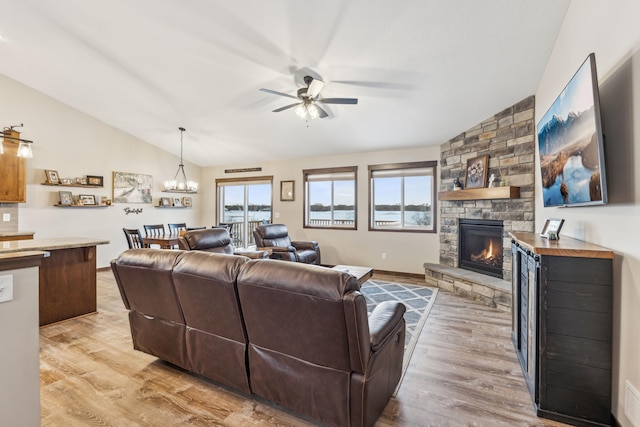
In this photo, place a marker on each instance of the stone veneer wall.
(508, 139)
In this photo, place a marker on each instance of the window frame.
(305, 194)
(433, 164)
(244, 181)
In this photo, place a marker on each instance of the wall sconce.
(24, 145)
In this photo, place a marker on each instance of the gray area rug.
(417, 299)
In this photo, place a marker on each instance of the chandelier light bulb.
(24, 150)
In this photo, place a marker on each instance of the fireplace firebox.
(480, 246)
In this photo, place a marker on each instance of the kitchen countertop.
(49, 244)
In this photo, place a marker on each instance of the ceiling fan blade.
(314, 88)
(338, 100)
(286, 107)
(321, 113)
(278, 93)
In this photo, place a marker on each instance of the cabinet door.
(12, 172)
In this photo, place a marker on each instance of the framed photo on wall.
(286, 191)
(476, 172)
(132, 188)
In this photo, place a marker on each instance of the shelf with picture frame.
(52, 178)
(175, 202)
(82, 206)
(69, 200)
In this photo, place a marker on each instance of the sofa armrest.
(305, 244)
(383, 320)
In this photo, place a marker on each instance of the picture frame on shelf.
(95, 180)
(551, 229)
(176, 201)
(164, 201)
(105, 201)
(476, 172)
(66, 198)
(87, 199)
(287, 191)
(52, 176)
(186, 202)
(66, 181)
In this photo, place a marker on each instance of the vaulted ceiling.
(422, 70)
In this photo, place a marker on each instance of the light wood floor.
(463, 372)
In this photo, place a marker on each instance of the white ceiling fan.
(307, 107)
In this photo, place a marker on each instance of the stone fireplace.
(480, 246)
(508, 139)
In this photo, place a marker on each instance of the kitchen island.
(67, 277)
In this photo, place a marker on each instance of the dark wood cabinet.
(562, 326)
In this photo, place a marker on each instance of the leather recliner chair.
(275, 237)
(209, 240)
(312, 347)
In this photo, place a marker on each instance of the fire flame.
(486, 254)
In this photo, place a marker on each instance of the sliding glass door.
(243, 205)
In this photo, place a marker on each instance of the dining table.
(167, 241)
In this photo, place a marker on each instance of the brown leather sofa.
(275, 238)
(292, 333)
(183, 308)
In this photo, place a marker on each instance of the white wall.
(406, 252)
(611, 30)
(76, 144)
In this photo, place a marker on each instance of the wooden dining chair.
(196, 228)
(154, 230)
(134, 237)
(176, 228)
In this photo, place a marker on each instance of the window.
(330, 198)
(243, 204)
(403, 197)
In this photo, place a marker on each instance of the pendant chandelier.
(180, 183)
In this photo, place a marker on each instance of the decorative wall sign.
(132, 211)
(242, 170)
(132, 188)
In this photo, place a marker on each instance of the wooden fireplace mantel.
(508, 192)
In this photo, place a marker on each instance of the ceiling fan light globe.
(301, 111)
(313, 111)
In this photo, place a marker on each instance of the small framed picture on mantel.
(476, 173)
